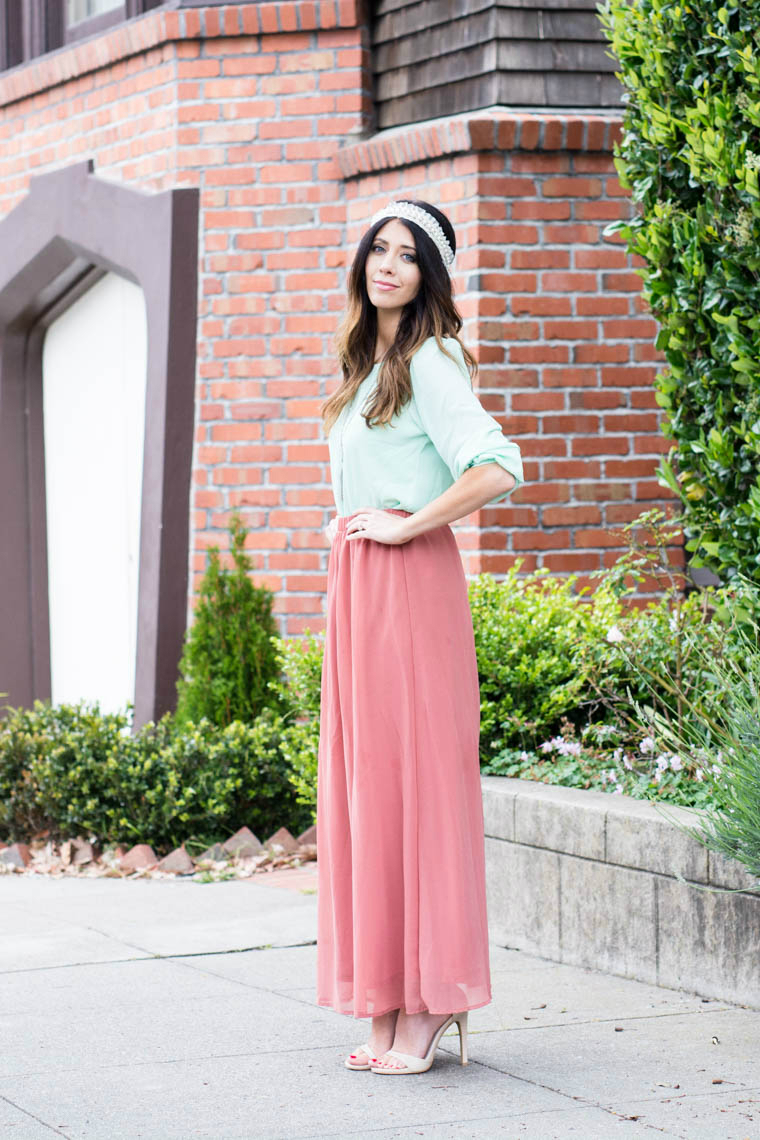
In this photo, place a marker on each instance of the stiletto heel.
(461, 1020)
(414, 1064)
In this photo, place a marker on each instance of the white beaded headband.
(424, 220)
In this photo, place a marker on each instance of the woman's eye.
(382, 250)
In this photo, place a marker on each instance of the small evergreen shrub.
(229, 657)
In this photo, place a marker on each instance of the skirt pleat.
(401, 904)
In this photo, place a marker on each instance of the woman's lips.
(385, 285)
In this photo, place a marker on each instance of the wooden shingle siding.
(444, 57)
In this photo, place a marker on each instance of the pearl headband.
(421, 218)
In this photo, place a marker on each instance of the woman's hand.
(332, 529)
(379, 525)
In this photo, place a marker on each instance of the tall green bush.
(690, 154)
(229, 657)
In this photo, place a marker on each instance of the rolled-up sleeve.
(463, 433)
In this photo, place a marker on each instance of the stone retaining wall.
(590, 879)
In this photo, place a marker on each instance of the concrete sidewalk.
(168, 1010)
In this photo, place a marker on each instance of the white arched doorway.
(94, 368)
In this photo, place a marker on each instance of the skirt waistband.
(343, 520)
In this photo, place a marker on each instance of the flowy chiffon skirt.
(401, 900)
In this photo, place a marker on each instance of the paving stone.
(139, 857)
(243, 843)
(17, 855)
(178, 862)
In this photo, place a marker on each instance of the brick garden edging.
(589, 879)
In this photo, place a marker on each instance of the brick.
(597, 537)
(549, 211)
(537, 401)
(569, 282)
(601, 306)
(139, 858)
(570, 561)
(502, 563)
(571, 424)
(622, 282)
(651, 444)
(597, 399)
(570, 377)
(601, 445)
(621, 512)
(629, 468)
(628, 377)
(571, 330)
(16, 855)
(540, 539)
(571, 469)
(540, 259)
(570, 516)
(572, 187)
(601, 492)
(652, 490)
(541, 306)
(631, 328)
(541, 493)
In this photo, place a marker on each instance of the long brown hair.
(431, 313)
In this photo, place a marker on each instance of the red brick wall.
(261, 106)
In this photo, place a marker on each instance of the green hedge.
(76, 770)
(690, 154)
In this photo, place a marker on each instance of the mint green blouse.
(438, 434)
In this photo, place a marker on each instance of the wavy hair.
(431, 313)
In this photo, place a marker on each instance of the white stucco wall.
(94, 372)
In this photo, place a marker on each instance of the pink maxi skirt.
(401, 907)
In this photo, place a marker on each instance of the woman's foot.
(414, 1032)
(381, 1037)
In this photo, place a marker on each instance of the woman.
(402, 926)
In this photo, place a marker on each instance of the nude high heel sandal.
(355, 1062)
(422, 1064)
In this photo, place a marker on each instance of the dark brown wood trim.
(11, 34)
(70, 229)
(54, 24)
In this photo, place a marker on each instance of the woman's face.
(392, 261)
